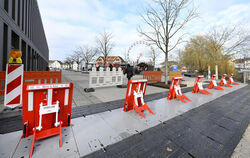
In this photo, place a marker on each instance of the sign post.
(14, 80)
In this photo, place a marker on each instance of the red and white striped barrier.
(13, 85)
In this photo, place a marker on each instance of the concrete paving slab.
(49, 146)
(8, 143)
(92, 133)
(123, 123)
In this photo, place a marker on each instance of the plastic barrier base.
(89, 90)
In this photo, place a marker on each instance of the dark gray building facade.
(21, 28)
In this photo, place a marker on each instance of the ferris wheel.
(136, 44)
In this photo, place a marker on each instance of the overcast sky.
(72, 23)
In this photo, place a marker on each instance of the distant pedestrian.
(98, 68)
(129, 71)
(111, 67)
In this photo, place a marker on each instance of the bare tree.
(69, 61)
(105, 44)
(154, 55)
(77, 57)
(87, 54)
(232, 40)
(165, 20)
(125, 55)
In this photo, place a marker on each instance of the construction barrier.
(13, 85)
(33, 77)
(135, 96)
(246, 76)
(46, 109)
(213, 83)
(198, 87)
(174, 74)
(223, 81)
(175, 90)
(231, 81)
(106, 78)
(152, 76)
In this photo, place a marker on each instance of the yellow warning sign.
(15, 57)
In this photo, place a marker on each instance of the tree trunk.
(104, 62)
(86, 66)
(216, 72)
(154, 64)
(166, 69)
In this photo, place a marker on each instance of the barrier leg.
(33, 142)
(60, 134)
(205, 92)
(228, 85)
(235, 83)
(219, 88)
(181, 99)
(202, 91)
(139, 111)
(183, 96)
(146, 106)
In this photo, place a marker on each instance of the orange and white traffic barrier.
(231, 81)
(46, 109)
(13, 85)
(175, 90)
(135, 96)
(198, 87)
(213, 83)
(223, 81)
